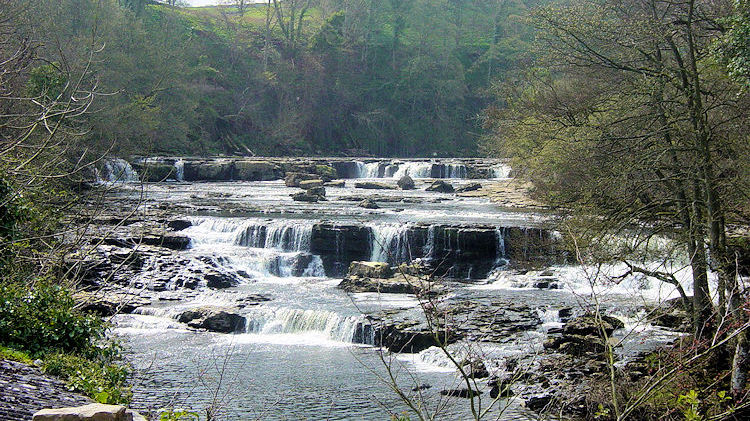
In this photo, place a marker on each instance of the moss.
(13, 355)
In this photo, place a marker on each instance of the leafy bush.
(43, 318)
(105, 382)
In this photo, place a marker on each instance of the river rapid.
(306, 350)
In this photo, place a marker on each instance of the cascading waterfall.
(390, 243)
(333, 326)
(369, 170)
(414, 170)
(501, 171)
(119, 171)
(455, 171)
(179, 170)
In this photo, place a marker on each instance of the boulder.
(406, 183)
(218, 280)
(213, 319)
(170, 241)
(208, 171)
(179, 224)
(155, 171)
(469, 187)
(293, 179)
(319, 191)
(305, 197)
(384, 286)
(378, 270)
(309, 184)
(373, 185)
(440, 186)
(90, 412)
(461, 393)
(326, 172)
(368, 204)
(588, 325)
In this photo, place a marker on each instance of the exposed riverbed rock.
(373, 185)
(589, 324)
(368, 204)
(406, 183)
(90, 412)
(255, 171)
(109, 301)
(306, 197)
(401, 284)
(213, 319)
(309, 184)
(469, 187)
(378, 270)
(440, 186)
(336, 184)
(293, 179)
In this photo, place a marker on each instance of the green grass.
(13, 355)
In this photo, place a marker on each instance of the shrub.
(105, 382)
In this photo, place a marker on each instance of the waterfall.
(370, 170)
(331, 325)
(283, 235)
(179, 170)
(390, 243)
(119, 171)
(414, 170)
(455, 171)
(501, 171)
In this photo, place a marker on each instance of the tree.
(635, 119)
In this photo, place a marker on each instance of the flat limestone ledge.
(90, 412)
(510, 193)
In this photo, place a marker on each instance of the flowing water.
(308, 352)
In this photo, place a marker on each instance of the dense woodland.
(387, 78)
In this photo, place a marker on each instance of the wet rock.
(461, 393)
(476, 369)
(423, 386)
(208, 170)
(338, 245)
(499, 387)
(108, 302)
(179, 224)
(305, 197)
(293, 179)
(406, 183)
(589, 325)
(155, 171)
(576, 345)
(368, 204)
(370, 269)
(309, 184)
(213, 319)
(405, 338)
(672, 314)
(218, 280)
(469, 187)
(538, 403)
(440, 186)
(319, 191)
(375, 197)
(326, 172)
(543, 283)
(170, 241)
(373, 185)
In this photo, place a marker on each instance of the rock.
(305, 197)
(423, 386)
(404, 338)
(546, 284)
(170, 241)
(589, 325)
(368, 204)
(108, 302)
(338, 245)
(378, 270)
(218, 280)
(476, 369)
(538, 403)
(179, 224)
(460, 393)
(399, 285)
(255, 171)
(469, 187)
(293, 179)
(406, 183)
(373, 185)
(326, 172)
(309, 184)
(90, 412)
(499, 387)
(213, 319)
(155, 171)
(319, 191)
(440, 186)
(208, 171)
(336, 184)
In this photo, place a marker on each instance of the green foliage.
(42, 318)
(13, 355)
(689, 404)
(178, 415)
(103, 381)
(46, 82)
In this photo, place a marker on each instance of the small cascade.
(179, 170)
(390, 243)
(455, 171)
(119, 171)
(369, 170)
(414, 170)
(501, 171)
(330, 325)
